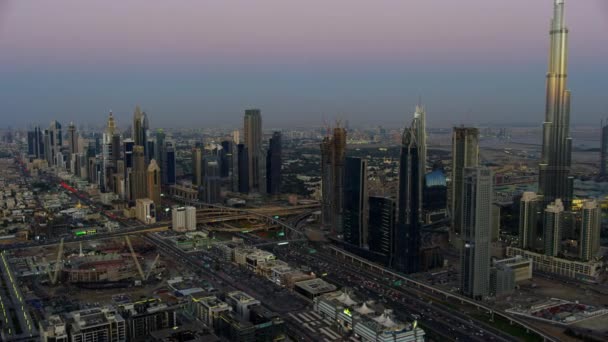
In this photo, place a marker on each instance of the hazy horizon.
(195, 63)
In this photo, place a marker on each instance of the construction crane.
(139, 269)
(152, 267)
(53, 275)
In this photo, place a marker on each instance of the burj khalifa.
(554, 170)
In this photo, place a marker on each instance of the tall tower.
(197, 166)
(420, 125)
(273, 165)
(253, 142)
(589, 242)
(327, 187)
(138, 175)
(338, 156)
(554, 179)
(381, 225)
(529, 208)
(476, 232)
(72, 138)
(465, 153)
(553, 227)
(243, 168)
(604, 150)
(55, 141)
(153, 182)
(212, 179)
(407, 235)
(355, 202)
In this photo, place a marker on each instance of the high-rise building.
(108, 159)
(138, 174)
(197, 166)
(419, 123)
(553, 225)
(465, 153)
(140, 129)
(589, 242)
(72, 140)
(554, 179)
(273, 165)
(434, 196)
(354, 211)
(211, 179)
(253, 142)
(55, 142)
(128, 165)
(35, 143)
(476, 201)
(160, 153)
(153, 182)
(145, 210)
(529, 218)
(407, 236)
(381, 225)
(243, 168)
(183, 218)
(604, 150)
(333, 153)
(226, 159)
(169, 163)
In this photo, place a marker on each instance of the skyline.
(372, 61)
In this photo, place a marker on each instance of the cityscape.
(334, 230)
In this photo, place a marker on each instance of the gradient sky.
(201, 62)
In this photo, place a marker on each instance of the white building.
(241, 303)
(98, 324)
(183, 219)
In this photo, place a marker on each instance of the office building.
(434, 196)
(589, 242)
(140, 128)
(153, 182)
(53, 143)
(253, 142)
(138, 177)
(227, 159)
(169, 163)
(146, 316)
(208, 309)
(160, 149)
(333, 153)
(407, 236)
(273, 165)
(465, 153)
(243, 169)
(197, 166)
(604, 150)
(183, 219)
(554, 181)
(553, 222)
(241, 304)
(97, 324)
(381, 225)
(476, 232)
(212, 180)
(35, 143)
(521, 267)
(354, 211)
(145, 211)
(529, 219)
(53, 329)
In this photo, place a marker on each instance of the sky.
(202, 62)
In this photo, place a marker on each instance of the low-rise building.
(208, 309)
(97, 324)
(241, 303)
(313, 288)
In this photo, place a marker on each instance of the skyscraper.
(140, 128)
(273, 165)
(434, 196)
(243, 169)
(407, 236)
(381, 225)
(153, 182)
(211, 179)
(529, 212)
(72, 139)
(476, 232)
(333, 153)
(253, 142)
(465, 153)
(554, 179)
(197, 166)
(589, 242)
(55, 141)
(169, 166)
(420, 125)
(138, 181)
(553, 223)
(355, 202)
(604, 150)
